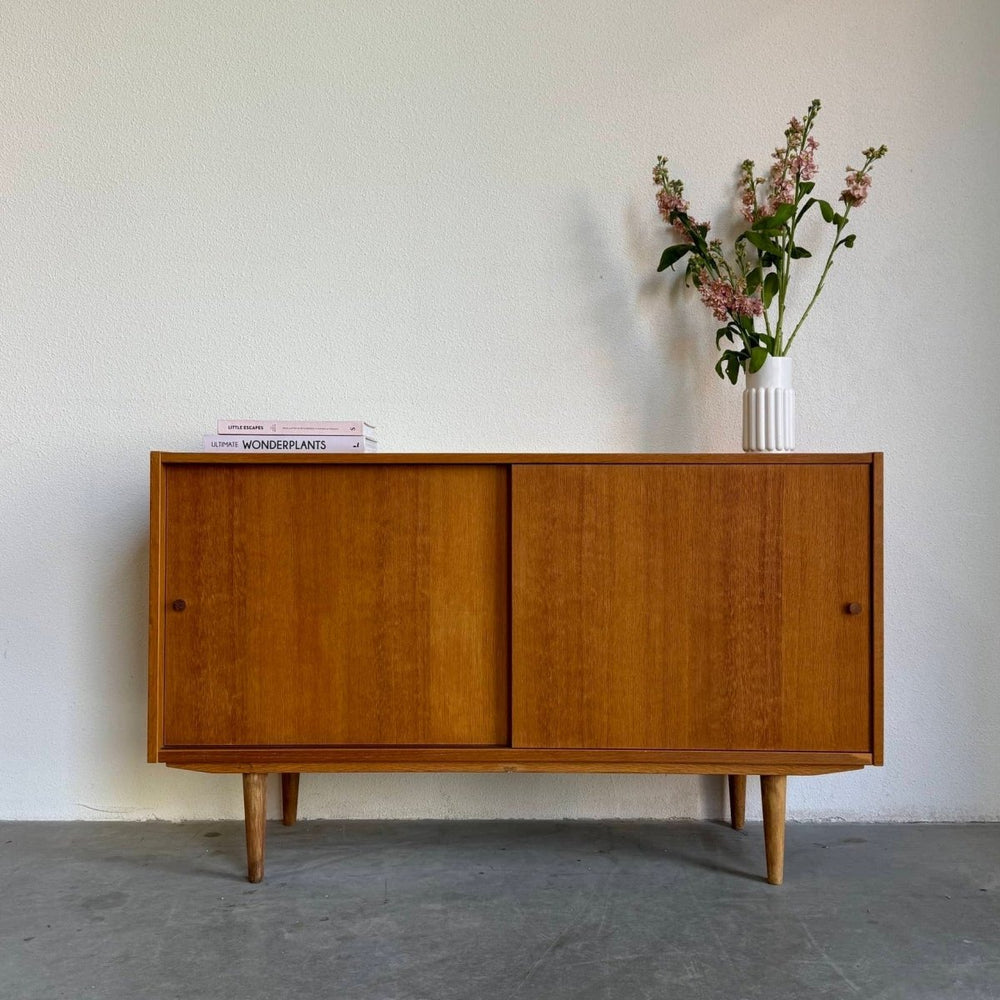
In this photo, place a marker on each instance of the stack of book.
(292, 437)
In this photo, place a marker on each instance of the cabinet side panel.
(332, 604)
(154, 692)
(877, 605)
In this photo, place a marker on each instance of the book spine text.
(291, 428)
(288, 444)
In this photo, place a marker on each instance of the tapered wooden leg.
(254, 798)
(289, 798)
(772, 793)
(737, 800)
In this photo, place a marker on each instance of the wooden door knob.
(179, 605)
(854, 609)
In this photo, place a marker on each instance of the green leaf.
(770, 222)
(693, 232)
(718, 367)
(723, 331)
(805, 208)
(673, 254)
(807, 187)
(754, 278)
(782, 214)
(839, 219)
(848, 241)
(757, 358)
(769, 289)
(733, 368)
(761, 242)
(797, 253)
(827, 210)
(767, 341)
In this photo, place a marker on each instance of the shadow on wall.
(650, 333)
(119, 641)
(110, 704)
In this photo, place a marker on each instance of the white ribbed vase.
(769, 407)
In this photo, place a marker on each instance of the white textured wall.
(439, 216)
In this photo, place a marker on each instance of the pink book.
(315, 428)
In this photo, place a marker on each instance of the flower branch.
(739, 292)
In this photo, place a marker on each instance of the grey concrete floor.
(498, 911)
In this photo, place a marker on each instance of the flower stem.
(783, 269)
(819, 286)
(870, 158)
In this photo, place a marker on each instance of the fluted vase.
(769, 407)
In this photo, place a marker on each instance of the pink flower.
(668, 202)
(717, 295)
(856, 191)
(747, 305)
(782, 185)
(748, 192)
(723, 299)
(795, 163)
(803, 164)
(782, 193)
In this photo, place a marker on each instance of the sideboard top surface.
(520, 458)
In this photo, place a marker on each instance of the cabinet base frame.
(772, 786)
(237, 760)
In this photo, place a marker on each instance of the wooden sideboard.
(706, 614)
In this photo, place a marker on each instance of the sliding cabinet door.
(692, 606)
(335, 604)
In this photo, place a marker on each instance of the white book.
(314, 428)
(287, 444)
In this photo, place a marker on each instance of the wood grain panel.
(157, 571)
(509, 759)
(877, 611)
(335, 604)
(826, 652)
(691, 606)
(773, 789)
